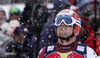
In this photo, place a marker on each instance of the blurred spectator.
(39, 18)
(92, 19)
(2, 16)
(12, 25)
(89, 19)
(22, 44)
(87, 9)
(14, 13)
(4, 39)
(87, 33)
(34, 17)
(26, 14)
(48, 35)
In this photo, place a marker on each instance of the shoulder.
(42, 50)
(85, 50)
(81, 49)
(41, 53)
(91, 53)
(47, 50)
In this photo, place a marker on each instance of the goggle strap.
(78, 24)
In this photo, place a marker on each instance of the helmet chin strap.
(67, 39)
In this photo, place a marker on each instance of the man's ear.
(76, 30)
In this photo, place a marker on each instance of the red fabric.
(90, 38)
(76, 10)
(75, 55)
(41, 53)
(91, 34)
(83, 19)
(54, 55)
(98, 51)
(90, 31)
(72, 2)
(57, 54)
(91, 44)
(98, 45)
(75, 16)
(97, 41)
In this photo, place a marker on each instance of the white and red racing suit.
(73, 50)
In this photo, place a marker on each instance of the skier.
(67, 26)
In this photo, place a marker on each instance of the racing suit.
(73, 50)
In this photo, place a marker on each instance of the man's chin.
(63, 36)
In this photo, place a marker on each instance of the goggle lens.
(65, 19)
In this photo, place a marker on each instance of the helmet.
(14, 10)
(69, 18)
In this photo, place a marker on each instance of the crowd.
(71, 30)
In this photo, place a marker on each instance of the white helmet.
(69, 18)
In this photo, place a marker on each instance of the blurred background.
(7, 4)
(23, 22)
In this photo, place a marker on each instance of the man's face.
(2, 14)
(64, 31)
(14, 17)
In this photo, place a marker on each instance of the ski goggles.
(67, 20)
